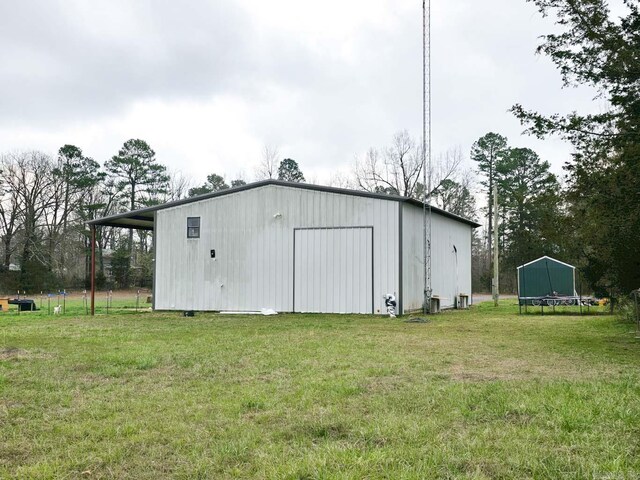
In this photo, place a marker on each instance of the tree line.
(530, 209)
(45, 202)
(588, 218)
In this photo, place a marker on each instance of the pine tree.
(140, 179)
(214, 183)
(530, 203)
(486, 151)
(289, 171)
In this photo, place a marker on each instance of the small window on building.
(193, 227)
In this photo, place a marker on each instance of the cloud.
(207, 83)
(84, 60)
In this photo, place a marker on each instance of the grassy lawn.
(483, 393)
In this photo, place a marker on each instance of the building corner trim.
(400, 260)
(155, 263)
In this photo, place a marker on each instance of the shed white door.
(333, 270)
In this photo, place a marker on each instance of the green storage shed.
(546, 277)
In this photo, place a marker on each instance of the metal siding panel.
(255, 250)
(347, 289)
(353, 303)
(310, 243)
(400, 297)
(335, 245)
(446, 232)
(318, 255)
(352, 248)
(335, 251)
(343, 288)
(352, 240)
(313, 258)
(365, 253)
(321, 282)
(161, 264)
(545, 276)
(359, 244)
(378, 246)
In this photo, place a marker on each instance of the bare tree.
(100, 201)
(342, 180)
(447, 166)
(455, 195)
(9, 212)
(268, 166)
(395, 169)
(29, 175)
(178, 186)
(55, 217)
(44, 204)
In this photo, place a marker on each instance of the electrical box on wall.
(213, 254)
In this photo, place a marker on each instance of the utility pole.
(496, 269)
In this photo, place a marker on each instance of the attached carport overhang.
(138, 219)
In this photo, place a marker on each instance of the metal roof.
(548, 258)
(143, 218)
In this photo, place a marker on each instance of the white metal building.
(295, 247)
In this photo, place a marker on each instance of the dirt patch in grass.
(12, 353)
(10, 454)
(544, 366)
(464, 376)
(8, 353)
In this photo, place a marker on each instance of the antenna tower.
(426, 150)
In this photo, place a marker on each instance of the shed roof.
(547, 258)
(143, 219)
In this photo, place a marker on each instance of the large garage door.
(333, 270)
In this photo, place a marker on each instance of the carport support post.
(93, 269)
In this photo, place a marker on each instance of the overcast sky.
(209, 83)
